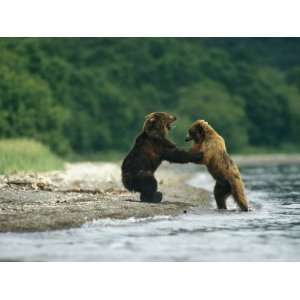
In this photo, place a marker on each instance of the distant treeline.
(91, 94)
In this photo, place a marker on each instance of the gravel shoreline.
(89, 191)
(85, 192)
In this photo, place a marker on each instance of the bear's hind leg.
(221, 193)
(147, 186)
(237, 190)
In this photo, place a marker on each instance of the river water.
(271, 232)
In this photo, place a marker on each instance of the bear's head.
(158, 124)
(199, 131)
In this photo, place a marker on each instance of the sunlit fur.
(219, 164)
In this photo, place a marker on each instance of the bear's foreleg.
(175, 155)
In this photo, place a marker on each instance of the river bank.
(84, 192)
(268, 233)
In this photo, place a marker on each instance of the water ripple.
(270, 232)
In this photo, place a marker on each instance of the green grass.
(26, 155)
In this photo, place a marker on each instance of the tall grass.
(26, 155)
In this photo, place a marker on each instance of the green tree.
(210, 101)
(27, 109)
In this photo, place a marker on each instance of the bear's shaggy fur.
(150, 149)
(226, 173)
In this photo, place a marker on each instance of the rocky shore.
(89, 191)
(85, 192)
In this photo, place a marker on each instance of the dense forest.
(88, 95)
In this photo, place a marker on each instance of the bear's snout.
(188, 138)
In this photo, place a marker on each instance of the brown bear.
(226, 173)
(151, 147)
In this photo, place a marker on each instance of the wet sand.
(89, 191)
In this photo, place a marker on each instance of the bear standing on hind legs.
(226, 173)
(150, 149)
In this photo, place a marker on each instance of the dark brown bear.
(150, 149)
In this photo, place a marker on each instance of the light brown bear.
(226, 173)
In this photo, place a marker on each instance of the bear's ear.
(151, 120)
